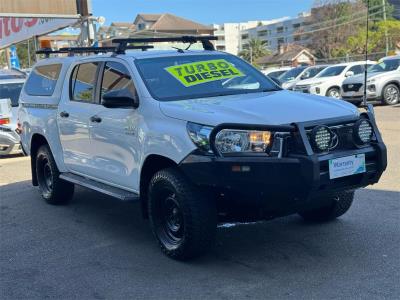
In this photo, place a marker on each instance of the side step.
(100, 187)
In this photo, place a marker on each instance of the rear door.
(74, 114)
(114, 131)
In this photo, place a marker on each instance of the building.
(278, 32)
(154, 25)
(292, 55)
(57, 41)
(229, 35)
(116, 29)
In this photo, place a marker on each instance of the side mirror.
(349, 73)
(119, 99)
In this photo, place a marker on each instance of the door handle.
(95, 119)
(64, 114)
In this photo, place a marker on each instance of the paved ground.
(99, 248)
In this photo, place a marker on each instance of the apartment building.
(278, 32)
(229, 35)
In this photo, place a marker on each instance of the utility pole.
(386, 34)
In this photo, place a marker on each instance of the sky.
(202, 11)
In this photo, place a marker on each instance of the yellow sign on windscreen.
(203, 71)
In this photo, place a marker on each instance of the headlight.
(200, 135)
(236, 141)
(371, 80)
(362, 132)
(321, 137)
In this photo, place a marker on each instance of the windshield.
(198, 76)
(332, 71)
(11, 91)
(311, 72)
(385, 66)
(291, 74)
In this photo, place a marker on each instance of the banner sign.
(203, 71)
(14, 30)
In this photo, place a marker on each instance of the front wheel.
(183, 220)
(338, 206)
(333, 93)
(391, 94)
(53, 189)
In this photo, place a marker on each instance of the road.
(100, 248)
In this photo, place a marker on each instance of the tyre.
(333, 93)
(53, 189)
(338, 206)
(182, 219)
(391, 94)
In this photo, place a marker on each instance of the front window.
(311, 72)
(291, 74)
(385, 66)
(332, 71)
(11, 91)
(199, 76)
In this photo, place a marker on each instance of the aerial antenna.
(367, 106)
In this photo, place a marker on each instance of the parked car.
(383, 83)
(328, 82)
(274, 73)
(9, 93)
(12, 74)
(172, 130)
(290, 76)
(307, 73)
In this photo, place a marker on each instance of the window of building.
(279, 29)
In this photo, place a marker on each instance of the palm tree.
(255, 48)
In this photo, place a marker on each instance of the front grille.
(354, 87)
(343, 137)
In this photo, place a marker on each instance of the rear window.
(42, 80)
(83, 81)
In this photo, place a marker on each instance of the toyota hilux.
(172, 130)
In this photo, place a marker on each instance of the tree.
(23, 53)
(331, 23)
(255, 48)
(376, 37)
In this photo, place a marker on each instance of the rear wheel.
(183, 220)
(333, 93)
(338, 206)
(391, 94)
(53, 189)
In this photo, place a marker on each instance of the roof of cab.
(133, 54)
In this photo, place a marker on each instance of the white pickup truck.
(172, 130)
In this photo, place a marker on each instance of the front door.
(114, 133)
(74, 114)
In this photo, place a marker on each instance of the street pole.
(386, 34)
(8, 58)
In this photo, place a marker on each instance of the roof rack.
(205, 40)
(122, 45)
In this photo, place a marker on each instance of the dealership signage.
(14, 30)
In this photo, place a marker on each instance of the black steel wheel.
(182, 219)
(53, 189)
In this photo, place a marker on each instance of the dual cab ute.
(198, 137)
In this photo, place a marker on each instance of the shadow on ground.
(98, 247)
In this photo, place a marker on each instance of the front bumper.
(282, 185)
(9, 142)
